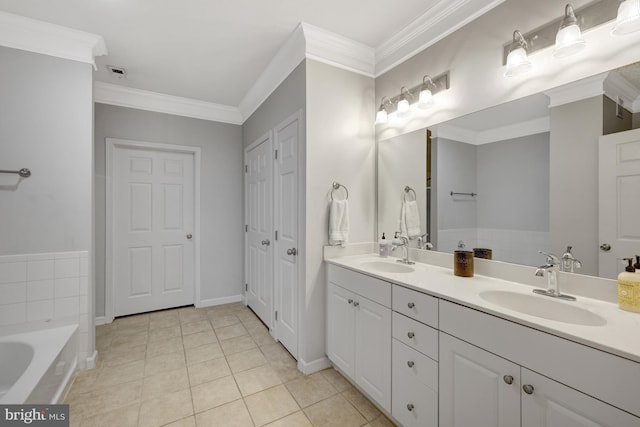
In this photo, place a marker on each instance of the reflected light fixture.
(517, 60)
(628, 19)
(383, 115)
(403, 102)
(569, 37)
(425, 99)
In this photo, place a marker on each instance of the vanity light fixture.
(628, 19)
(403, 103)
(569, 37)
(383, 115)
(517, 60)
(425, 99)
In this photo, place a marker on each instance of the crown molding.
(576, 91)
(616, 86)
(516, 130)
(107, 93)
(442, 19)
(19, 32)
(453, 133)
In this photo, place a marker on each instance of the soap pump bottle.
(383, 246)
(637, 264)
(629, 288)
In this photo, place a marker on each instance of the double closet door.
(271, 218)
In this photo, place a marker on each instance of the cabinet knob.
(410, 363)
(528, 388)
(356, 304)
(411, 335)
(508, 379)
(410, 407)
(350, 301)
(411, 305)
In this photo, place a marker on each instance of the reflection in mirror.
(498, 165)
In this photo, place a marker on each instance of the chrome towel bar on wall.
(24, 172)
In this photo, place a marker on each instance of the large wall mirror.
(523, 177)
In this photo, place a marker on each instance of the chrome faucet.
(569, 263)
(403, 242)
(423, 244)
(551, 268)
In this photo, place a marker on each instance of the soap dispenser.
(383, 246)
(629, 288)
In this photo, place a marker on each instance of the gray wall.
(573, 203)
(513, 182)
(45, 125)
(221, 191)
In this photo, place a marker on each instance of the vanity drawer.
(416, 335)
(410, 362)
(413, 403)
(414, 304)
(369, 287)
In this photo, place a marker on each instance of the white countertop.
(620, 335)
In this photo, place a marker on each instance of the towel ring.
(408, 190)
(336, 186)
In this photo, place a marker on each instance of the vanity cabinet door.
(553, 404)
(474, 387)
(341, 323)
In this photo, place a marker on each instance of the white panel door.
(341, 323)
(259, 211)
(552, 404)
(473, 389)
(153, 211)
(286, 138)
(619, 203)
(373, 350)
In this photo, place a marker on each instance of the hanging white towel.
(410, 219)
(339, 223)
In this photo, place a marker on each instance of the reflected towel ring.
(336, 186)
(408, 190)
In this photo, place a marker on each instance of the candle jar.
(463, 263)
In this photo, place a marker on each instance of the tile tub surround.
(212, 366)
(40, 291)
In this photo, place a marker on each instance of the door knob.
(356, 304)
(350, 301)
(508, 379)
(292, 251)
(411, 334)
(605, 247)
(410, 363)
(410, 407)
(189, 236)
(411, 305)
(528, 388)
(266, 242)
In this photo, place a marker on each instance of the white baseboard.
(308, 368)
(91, 360)
(219, 301)
(101, 320)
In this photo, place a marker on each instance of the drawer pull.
(410, 363)
(350, 301)
(528, 388)
(508, 379)
(410, 407)
(411, 335)
(411, 305)
(356, 304)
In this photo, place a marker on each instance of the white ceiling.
(213, 50)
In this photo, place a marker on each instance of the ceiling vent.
(117, 72)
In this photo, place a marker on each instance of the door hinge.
(246, 228)
(246, 286)
(276, 234)
(276, 154)
(276, 314)
(246, 168)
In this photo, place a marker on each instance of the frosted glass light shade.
(425, 99)
(628, 20)
(403, 106)
(382, 116)
(568, 41)
(517, 62)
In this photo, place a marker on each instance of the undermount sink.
(387, 267)
(543, 307)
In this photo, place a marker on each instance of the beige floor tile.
(270, 405)
(136, 319)
(232, 414)
(262, 338)
(105, 329)
(166, 409)
(84, 381)
(310, 389)
(382, 421)
(203, 353)
(362, 404)
(168, 345)
(122, 417)
(254, 326)
(334, 411)
(163, 363)
(199, 338)
(161, 334)
(232, 331)
(287, 371)
(132, 329)
(276, 352)
(111, 358)
(163, 322)
(165, 382)
(297, 419)
(244, 360)
(209, 370)
(246, 315)
(220, 320)
(185, 422)
(257, 379)
(128, 341)
(192, 315)
(238, 344)
(108, 398)
(198, 326)
(215, 393)
(120, 374)
(336, 379)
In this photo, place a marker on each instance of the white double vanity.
(433, 349)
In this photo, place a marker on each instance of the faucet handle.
(551, 258)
